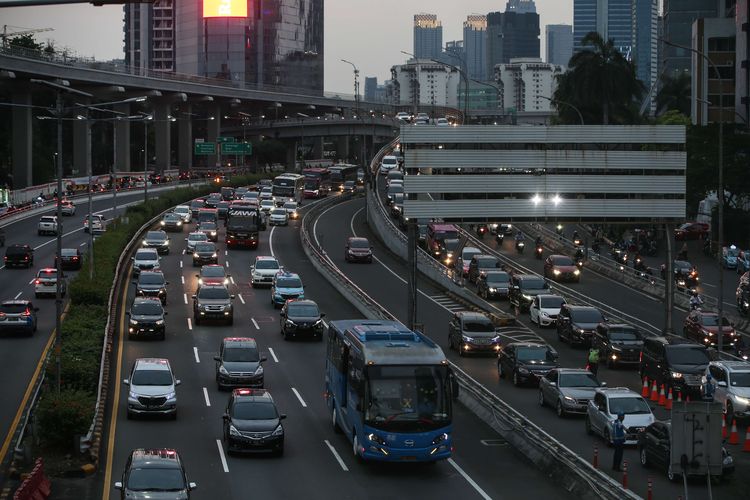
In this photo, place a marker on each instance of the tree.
(673, 117)
(674, 94)
(601, 83)
(25, 41)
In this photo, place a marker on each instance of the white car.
(292, 208)
(731, 380)
(267, 205)
(278, 217)
(47, 225)
(184, 212)
(403, 116)
(608, 403)
(145, 259)
(266, 193)
(545, 308)
(442, 122)
(388, 163)
(250, 195)
(152, 388)
(46, 283)
(68, 208)
(263, 270)
(195, 238)
(97, 223)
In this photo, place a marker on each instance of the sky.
(370, 33)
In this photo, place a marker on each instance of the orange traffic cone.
(668, 404)
(724, 426)
(746, 446)
(654, 392)
(662, 397)
(679, 397)
(644, 390)
(734, 437)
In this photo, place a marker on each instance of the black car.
(71, 258)
(358, 250)
(227, 193)
(147, 318)
(493, 285)
(523, 289)
(18, 316)
(618, 344)
(481, 263)
(526, 362)
(577, 324)
(239, 363)
(172, 222)
(210, 229)
(655, 450)
(158, 240)
(19, 256)
(154, 473)
(472, 333)
(252, 423)
(449, 253)
(213, 200)
(676, 363)
(684, 273)
(301, 317)
(152, 284)
(205, 253)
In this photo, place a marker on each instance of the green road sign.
(224, 140)
(205, 148)
(237, 148)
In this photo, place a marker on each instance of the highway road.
(317, 463)
(384, 281)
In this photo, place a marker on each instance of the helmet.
(695, 293)
(708, 376)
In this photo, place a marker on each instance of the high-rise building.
(428, 36)
(559, 43)
(475, 46)
(454, 54)
(612, 19)
(712, 95)
(679, 16)
(521, 6)
(742, 63)
(422, 81)
(645, 46)
(149, 35)
(511, 35)
(373, 91)
(526, 84)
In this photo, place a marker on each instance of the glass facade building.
(510, 36)
(428, 36)
(475, 46)
(610, 18)
(559, 43)
(679, 16)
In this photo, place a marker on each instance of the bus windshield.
(407, 398)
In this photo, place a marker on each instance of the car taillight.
(36, 282)
(25, 257)
(75, 258)
(27, 313)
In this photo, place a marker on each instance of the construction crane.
(5, 34)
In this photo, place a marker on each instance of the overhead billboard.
(224, 8)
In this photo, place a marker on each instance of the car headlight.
(318, 323)
(289, 322)
(676, 374)
(569, 399)
(556, 272)
(200, 281)
(259, 370)
(741, 400)
(223, 370)
(376, 439)
(214, 255)
(527, 297)
(577, 272)
(213, 233)
(746, 304)
(133, 322)
(132, 395)
(579, 330)
(466, 338)
(160, 322)
(233, 431)
(179, 222)
(523, 371)
(171, 395)
(278, 431)
(145, 243)
(492, 290)
(162, 223)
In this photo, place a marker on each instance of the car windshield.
(254, 411)
(47, 274)
(13, 308)
(359, 244)
(303, 310)
(486, 263)
(196, 204)
(740, 379)
(533, 354)
(156, 479)
(197, 237)
(551, 302)
(145, 255)
(497, 278)
(250, 195)
(266, 264)
(151, 377)
(586, 316)
(151, 279)
(278, 211)
(624, 335)
(578, 380)
(533, 284)
(146, 308)
(478, 326)
(212, 272)
(241, 354)
(156, 235)
(213, 293)
(628, 406)
(713, 320)
(181, 210)
(389, 160)
(209, 226)
(468, 254)
(563, 261)
(205, 247)
(266, 203)
(288, 283)
(69, 252)
(290, 206)
(687, 356)
(172, 218)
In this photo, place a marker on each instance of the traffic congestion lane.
(290, 365)
(387, 286)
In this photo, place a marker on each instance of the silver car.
(263, 270)
(568, 390)
(152, 388)
(278, 217)
(731, 381)
(145, 259)
(184, 212)
(608, 403)
(195, 238)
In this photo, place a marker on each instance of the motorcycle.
(638, 264)
(481, 230)
(539, 251)
(499, 237)
(519, 246)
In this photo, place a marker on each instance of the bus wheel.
(336, 428)
(355, 447)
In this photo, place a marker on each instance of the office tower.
(428, 36)
(612, 19)
(742, 62)
(475, 46)
(645, 46)
(679, 16)
(559, 43)
(511, 35)
(521, 6)
(712, 95)
(454, 54)
(149, 35)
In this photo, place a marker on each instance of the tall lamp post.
(553, 101)
(356, 85)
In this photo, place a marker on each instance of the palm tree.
(600, 80)
(674, 94)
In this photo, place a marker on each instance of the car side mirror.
(135, 282)
(252, 269)
(118, 485)
(217, 358)
(603, 384)
(231, 296)
(192, 486)
(166, 313)
(225, 416)
(263, 359)
(282, 416)
(186, 239)
(721, 383)
(197, 275)
(322, 315)
(126, 381)
(132, 258)
(195, 296)
(166, 282)
(177, 382)
(127, 314)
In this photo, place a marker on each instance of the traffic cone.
(724, 426)
(679, 397)
(654, 392)
(644, 390)
(662, 397)
(625, 474)
(668, 404)
(734, 437)
(746, 445)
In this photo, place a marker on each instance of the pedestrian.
(593, 360)
(708, 389)
(618, 440)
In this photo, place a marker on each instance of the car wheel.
(589, 430)
(500, 373)
(461, 351)
(541, 399)
(671, 474)
(559, 409)
(516, 380)
(644, 457)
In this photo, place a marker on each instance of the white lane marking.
(183, 251)
(32, 281)
(55, 239)
(190, 324)
(270, 241)
(273, 355)
(255, 324)
(205, 396)
(182, 279)
(336, 455)
(301, 401)
(180, 264)
(19, 294)
(195, 353)
(469, 480)
(226, 252)
(240, 297)
(226, 263)
(221, 455)
(184, 296)
(231, 280)
(84, 243)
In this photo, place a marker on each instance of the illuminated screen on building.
(225, 8)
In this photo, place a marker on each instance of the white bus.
(288, 187)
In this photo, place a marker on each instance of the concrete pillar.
(185, 138)
(22, 140)
(122, 139)
(213, 131)
(291, 156)
(342, 147)
(162, 137)
(318, 147)
(81, 146)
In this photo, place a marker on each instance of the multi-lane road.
(317, 463)
(384, 281)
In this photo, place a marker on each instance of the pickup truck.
(47, 225)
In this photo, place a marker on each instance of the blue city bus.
(390, 390)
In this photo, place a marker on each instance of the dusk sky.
(370, 33)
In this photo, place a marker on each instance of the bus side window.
(453, 381)
(355, 378)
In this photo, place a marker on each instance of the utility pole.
(90, 202)
(58, 287)
(114, 171)
(145, 160)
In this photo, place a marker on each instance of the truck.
(243, 224)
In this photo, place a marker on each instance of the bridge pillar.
(122, 139)
(22, 140)
(162, 135)
(318, 147)
(213, 130)
(185, 138)
(82, 145)
(342, 147)
(291, 156)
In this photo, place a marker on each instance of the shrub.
(62, 416)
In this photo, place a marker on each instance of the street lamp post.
(558, 101)
(356, 85)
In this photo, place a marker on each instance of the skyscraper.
(679, 16)
(559, 43)
(521, 6)
(610, 18)
(149, 35)
(428, 36)
(475, 46)
(645, 45)
(511, 35)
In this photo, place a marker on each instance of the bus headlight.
(441, 438)
(376, 439)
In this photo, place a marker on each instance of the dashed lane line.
(184, 297)
(205, 396)
(239, 295)
(221, 455)
(19, 294)
(255, 324)
(195, 353)
(469, 480)
(190, 324)
(336, 456)
(273, 355)
(301, 401)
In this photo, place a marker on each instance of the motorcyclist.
(519, 236)
(695, 300)
(638, 262)
(579, 254)
(539, 242)
(576, 238)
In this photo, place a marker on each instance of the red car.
(213, 274)
(703, 328)
(692, 231)
(561, 268)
